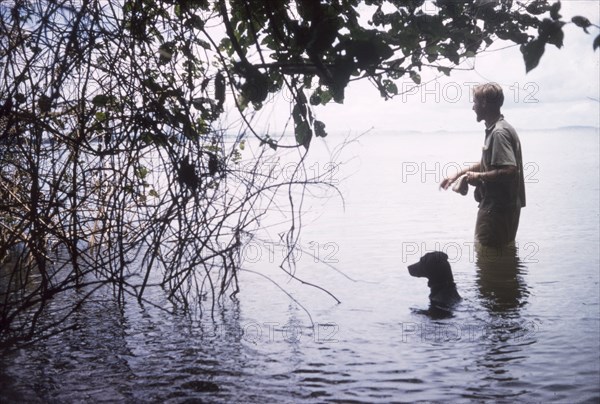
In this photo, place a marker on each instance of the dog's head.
(434, 266)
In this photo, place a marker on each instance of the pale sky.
(562, 91)
(557, 93)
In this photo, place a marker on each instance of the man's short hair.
(490, 93)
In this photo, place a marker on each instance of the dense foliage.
(124, 127)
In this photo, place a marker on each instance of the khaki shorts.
(496, 229)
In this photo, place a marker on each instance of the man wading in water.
(498, 178)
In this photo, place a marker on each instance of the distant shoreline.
(352, 133)
(400, 131)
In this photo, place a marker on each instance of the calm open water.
(526, 331)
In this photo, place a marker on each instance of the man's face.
(479, 108)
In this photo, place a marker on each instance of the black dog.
(435, 267)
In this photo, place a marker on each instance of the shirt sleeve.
(503, 153)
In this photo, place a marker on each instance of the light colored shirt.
(502, 147)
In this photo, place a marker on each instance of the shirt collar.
(490, 128)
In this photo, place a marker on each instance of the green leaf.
(416, 77)
(268, 141)
(44, 103)
(554, 11)
(432, 50)
(551, 32)
(20, 98)
(532, 53)
(100, 100)
(220, 88)
(256, 87)
(323, 32)
(320, 129)
(597, 42)
(315, 98)
(303, 134)
(370, 49)
(581, 22)
(152, 85)
(326, 96)
(445, 70)
(141, 172)
(537, 7)
(390, 87)
(196, 22)
(204, 44)
(320, 97)
(165, 52)
(101, 116)
(226, 46)
(302, 129)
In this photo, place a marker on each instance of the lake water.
(528, 329)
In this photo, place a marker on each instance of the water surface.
(527, 329)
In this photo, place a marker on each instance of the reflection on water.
(526, 330)
(500, 279)
(503, 292)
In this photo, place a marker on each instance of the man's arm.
(503, 160)
(497, 174)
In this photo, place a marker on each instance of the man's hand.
(445, 184)
(474, 169)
